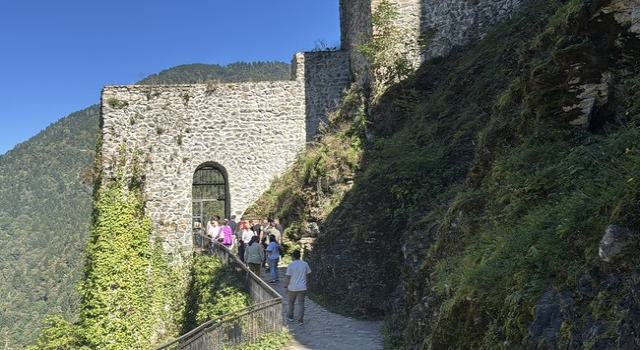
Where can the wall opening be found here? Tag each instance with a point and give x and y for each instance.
(209, 193)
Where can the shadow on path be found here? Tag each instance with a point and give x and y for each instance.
(323, 330)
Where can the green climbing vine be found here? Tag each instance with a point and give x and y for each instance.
(59, 334)
(127, 280)
(131, 292)
(213, 291)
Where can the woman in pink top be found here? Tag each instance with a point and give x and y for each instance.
(226, 234)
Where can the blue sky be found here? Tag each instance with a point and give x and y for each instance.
(55, 56)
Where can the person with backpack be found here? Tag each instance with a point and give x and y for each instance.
(244, 237)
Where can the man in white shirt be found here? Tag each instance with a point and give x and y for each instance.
(295, 284)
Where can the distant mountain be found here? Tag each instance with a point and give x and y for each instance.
(45, 205)
(234, 72)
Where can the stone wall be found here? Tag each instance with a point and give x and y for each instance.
(326, 77)
(445, 24)
(457, 23)
(251, 131)
(355, 25)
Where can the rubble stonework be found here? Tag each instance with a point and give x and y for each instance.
(254, 131)
(436, 26)
(251, 131)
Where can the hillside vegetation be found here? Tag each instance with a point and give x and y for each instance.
(132, 294)
(467, 205)
(44, 217)
(45, 207)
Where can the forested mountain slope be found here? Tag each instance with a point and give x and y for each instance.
(45, 206)
(467, 205)
(44, 217)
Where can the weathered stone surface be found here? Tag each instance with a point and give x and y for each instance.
(251, 131)
(629, 328)
(446, 24)
(591, 96)
(615, 239)
(626, 12)
(547, 320)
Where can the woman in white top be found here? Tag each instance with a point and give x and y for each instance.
(253, 255)
(213, 230)
(244, 237)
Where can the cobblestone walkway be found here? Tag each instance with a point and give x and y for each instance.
(323, 330)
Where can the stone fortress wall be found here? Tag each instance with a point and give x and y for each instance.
(251, 131)
(457, 23)
(326, 77)
(444, 24)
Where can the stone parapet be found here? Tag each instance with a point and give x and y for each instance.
(457, 23)
(326, 79)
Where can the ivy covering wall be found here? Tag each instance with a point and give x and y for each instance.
(133, 294)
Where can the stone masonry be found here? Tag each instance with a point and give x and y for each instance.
(436, 26)
(251, 131)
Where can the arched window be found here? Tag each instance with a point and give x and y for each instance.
(209, 194)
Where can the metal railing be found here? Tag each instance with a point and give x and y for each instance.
(240, 326)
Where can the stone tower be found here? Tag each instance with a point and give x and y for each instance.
(435, 26)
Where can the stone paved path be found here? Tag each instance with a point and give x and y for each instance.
(323, 330)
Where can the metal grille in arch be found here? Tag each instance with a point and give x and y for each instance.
(209, 194)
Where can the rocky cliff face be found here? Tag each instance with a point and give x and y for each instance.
(497, 207)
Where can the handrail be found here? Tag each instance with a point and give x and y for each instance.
(244, 273)
(185, 341)
(239, 326)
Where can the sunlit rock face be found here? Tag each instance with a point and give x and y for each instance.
(626, 12)
(615, 239)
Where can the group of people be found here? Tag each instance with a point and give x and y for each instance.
(257, 243)
(221, 231)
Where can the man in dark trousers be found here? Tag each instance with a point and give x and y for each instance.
(295, 284)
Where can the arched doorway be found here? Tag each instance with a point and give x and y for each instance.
(209, 194)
